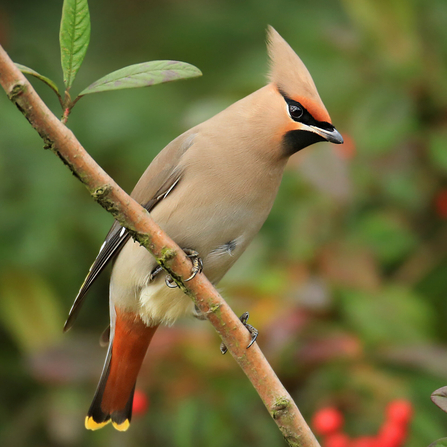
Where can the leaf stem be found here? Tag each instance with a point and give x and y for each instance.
(67, 105)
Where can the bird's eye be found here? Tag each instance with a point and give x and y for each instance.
(295, 112)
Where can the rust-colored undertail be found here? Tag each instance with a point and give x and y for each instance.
(114, 395)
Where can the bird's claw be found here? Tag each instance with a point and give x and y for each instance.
(253, 332)
(197, 267)
(197, 263)
(170, 282)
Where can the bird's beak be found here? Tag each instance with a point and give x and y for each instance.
(333, 136)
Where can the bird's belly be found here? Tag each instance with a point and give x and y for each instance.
(132, 291)
(160, 304)
(218, 231)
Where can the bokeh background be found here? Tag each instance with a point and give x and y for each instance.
(346, 281)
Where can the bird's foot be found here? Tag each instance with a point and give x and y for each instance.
(253, 332)
(197, 267)
(197, 313)
(197, 263)
(158, 269)
(170, 282)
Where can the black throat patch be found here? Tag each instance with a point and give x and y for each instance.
(295, 140)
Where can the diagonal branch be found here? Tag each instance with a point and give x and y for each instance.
(59, 139)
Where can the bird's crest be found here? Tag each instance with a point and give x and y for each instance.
(290, 75)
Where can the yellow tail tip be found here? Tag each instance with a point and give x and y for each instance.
(123, 426)
(90, 424)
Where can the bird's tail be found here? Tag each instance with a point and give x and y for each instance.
(114, 395)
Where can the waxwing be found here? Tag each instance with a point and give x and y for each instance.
(210, 190)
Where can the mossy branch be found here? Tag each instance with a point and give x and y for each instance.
(136, 219)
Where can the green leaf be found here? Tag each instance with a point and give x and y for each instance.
(439, 398)
(439, 443)
(388, 234)
(143, 75)
(74, 37)
(30, 311)
(437, 152)
(30, 71)
(391, 313)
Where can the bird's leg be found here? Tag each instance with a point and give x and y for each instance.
(155, 272)
(197, 313)
(253, 332)
(197, 267)
(169, 281)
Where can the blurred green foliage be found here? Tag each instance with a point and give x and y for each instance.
(346, 281)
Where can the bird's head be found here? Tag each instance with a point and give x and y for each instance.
(302, 118)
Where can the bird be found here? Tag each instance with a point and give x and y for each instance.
(211, 190)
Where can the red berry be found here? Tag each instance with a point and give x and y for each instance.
(140, 403)
(348, 149)
(399, 411)
(336, 440)
(392, 434)
(365, 441)
(327, 420)
(441, 203)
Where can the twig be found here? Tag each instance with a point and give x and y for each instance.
(129, 213)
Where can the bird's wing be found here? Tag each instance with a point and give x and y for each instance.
(159, 179)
